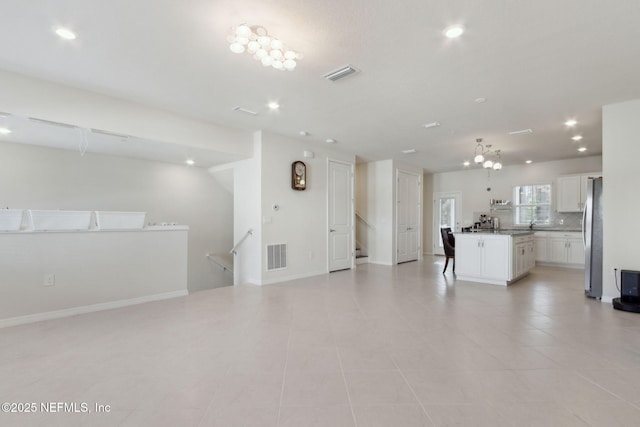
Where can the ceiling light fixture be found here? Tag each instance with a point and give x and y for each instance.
(5, 131)
(274, 105)
(582, 149)
(264, 48)
(518, 132)
(431, 125)
(454, 31)
(190, 162)
(571, 123)
(65, 33)
(303, 133)
(466, 163)
(577, 137)
(409, 151)
(480, 100)
(529, 162)
(330, 141)
(485, 156)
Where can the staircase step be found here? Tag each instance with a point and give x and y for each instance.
(362, 259)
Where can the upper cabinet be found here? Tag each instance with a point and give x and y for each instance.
(572, 192)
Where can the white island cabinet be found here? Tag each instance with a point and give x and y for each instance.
(495, 258)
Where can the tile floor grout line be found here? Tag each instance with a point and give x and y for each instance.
(284, 373)
(424, 410)
(346, 386)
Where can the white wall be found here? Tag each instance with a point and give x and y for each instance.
(301, 221)
(104, 268)
(30, 97)
(247, 188)
(620, 153)
(44, 178)
(427, 214)
(473, 183)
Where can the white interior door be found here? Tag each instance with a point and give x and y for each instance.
(446, 213)
(340, 216)
(408, 217)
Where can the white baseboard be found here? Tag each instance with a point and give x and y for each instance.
(49, 315)
(607, 299)
(291, 277)
(380, 263)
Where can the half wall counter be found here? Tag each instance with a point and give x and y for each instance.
(51, 274)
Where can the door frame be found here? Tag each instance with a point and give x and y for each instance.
(436, 216)
(419, 200)
(352, 236)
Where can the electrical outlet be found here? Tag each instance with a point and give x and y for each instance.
(49, 280)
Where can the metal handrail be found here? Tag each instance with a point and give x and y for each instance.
(234, 250)
(212, 257)
(363, 219)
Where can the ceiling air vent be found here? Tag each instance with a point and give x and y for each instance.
(340, 73)
(244, 110)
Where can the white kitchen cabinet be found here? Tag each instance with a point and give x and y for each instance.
(531, 255)
(495, 250)
(493, 257)
(566, 248)
(484, 255)
(541, 247)
(571, 191)
(575, 251)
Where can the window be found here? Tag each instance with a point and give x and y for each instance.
(532, 203)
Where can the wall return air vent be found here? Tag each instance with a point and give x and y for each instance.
(340, 73)
(276, 257)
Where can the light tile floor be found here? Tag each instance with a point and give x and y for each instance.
(377, 346)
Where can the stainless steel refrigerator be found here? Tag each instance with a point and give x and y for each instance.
(592, 238)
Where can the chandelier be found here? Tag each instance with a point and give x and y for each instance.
(485, 156)
(270, 51)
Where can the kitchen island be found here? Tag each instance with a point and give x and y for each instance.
(494, 257)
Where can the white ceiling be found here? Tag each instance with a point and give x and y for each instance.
(537, 63)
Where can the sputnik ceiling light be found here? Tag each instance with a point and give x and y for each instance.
(485, 156)
(269, 50)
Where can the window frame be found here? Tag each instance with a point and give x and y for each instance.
(532, 206)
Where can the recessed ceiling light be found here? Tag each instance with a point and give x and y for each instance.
(304, 133)
(529, 162)
(577, 137)
(480, 100)
(330, 141)
(190, 162)
(518, 132)
(582, 149)
(571, 123)
(5, 131)
(66, 34)
(409, 151)
(273, 105)
(454, 31)
(431, 125)
(467, 163)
